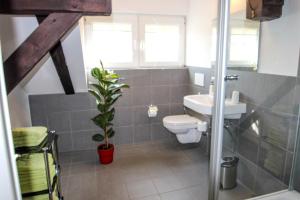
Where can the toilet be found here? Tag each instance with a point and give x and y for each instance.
(187, 129)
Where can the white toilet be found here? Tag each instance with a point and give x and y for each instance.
(187, 129)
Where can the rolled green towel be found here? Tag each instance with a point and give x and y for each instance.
(29, 136)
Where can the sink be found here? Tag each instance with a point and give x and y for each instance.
(204, 104)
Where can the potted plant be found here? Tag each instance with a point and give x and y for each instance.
(107, 90)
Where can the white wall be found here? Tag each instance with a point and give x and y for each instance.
(280, 42)
(12, 35)
(162, 7)
(199, 32)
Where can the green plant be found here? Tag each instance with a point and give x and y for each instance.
(107, 90)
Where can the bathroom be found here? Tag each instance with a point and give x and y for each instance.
(166, 146)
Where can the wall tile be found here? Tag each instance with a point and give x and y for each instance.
(288, 168)
(65, 142)
(160, 77)
(141, 78)
(37, 110)
(124, 135)
(176, 109)
(141, 115)
(125, 99)
(142, 133)
(293, 131)
(178, 92)
(265, 183)
(247, 172)
(81, 120)
(124, 116)
(272, 159)
(276, 128)
(83, 140)
(159, 132)
(160, 94)
(59, 121)
(248, 144)
(141, 96)
(278, 93)
(180, 76)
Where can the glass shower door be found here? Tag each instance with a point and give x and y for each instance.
(263, 138)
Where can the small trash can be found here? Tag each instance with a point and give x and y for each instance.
(229, 172)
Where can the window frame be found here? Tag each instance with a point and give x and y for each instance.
(138, 22)
(116, 18)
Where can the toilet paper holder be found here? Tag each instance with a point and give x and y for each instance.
(152, 110)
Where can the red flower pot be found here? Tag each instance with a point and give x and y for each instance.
(106, 156)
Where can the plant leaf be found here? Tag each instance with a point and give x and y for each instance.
(98, 137)
(110, 133)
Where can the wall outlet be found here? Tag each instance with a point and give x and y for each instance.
(199, 79)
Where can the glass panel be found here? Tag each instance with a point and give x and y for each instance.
(263, 137)
(162, 43)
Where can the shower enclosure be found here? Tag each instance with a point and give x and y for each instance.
(262, 62)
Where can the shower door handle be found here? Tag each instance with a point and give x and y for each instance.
(232, 78)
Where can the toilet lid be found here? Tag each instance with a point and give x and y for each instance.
(181, 120)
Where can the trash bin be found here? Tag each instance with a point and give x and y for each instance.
(229, 172)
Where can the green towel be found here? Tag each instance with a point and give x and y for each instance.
(29, 137)
(42, 197)
(32, 174)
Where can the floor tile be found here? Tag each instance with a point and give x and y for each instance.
(140, 189)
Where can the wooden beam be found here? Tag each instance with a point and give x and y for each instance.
(45, 7)
(58, 57)
(36, 46)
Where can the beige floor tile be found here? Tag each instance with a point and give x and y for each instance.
(167, 184)
(140, 189)
(152, 197)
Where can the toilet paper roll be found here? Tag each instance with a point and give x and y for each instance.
(152, 111)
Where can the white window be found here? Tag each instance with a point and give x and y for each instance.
(134, 41)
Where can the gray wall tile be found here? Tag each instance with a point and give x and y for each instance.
(142, 133)
(124, 135)
(178, 92)
(180, 76)
(248, 144)
(160, 77)
(65, 142)
(159, 132)
(141, 115)
(83, 140)
(141, 78)
(272, 159)
(81, 120)
(60, 121)
(160, 94)
(124, 116)
(266, 183)
(141, 96)
(247, 172)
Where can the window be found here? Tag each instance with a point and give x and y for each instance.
(134, 41)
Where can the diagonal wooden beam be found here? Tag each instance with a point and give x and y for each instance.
(58, 57)
(36, 46)
(45, 7)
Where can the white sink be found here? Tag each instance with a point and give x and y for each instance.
(204, 104)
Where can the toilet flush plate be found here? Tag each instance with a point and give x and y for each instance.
(204, 104)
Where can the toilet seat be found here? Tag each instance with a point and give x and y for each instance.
(181, 122)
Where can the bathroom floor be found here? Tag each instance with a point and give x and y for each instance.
(151, 171)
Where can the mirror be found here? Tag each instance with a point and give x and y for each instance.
(243, 38)
(269, 47)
